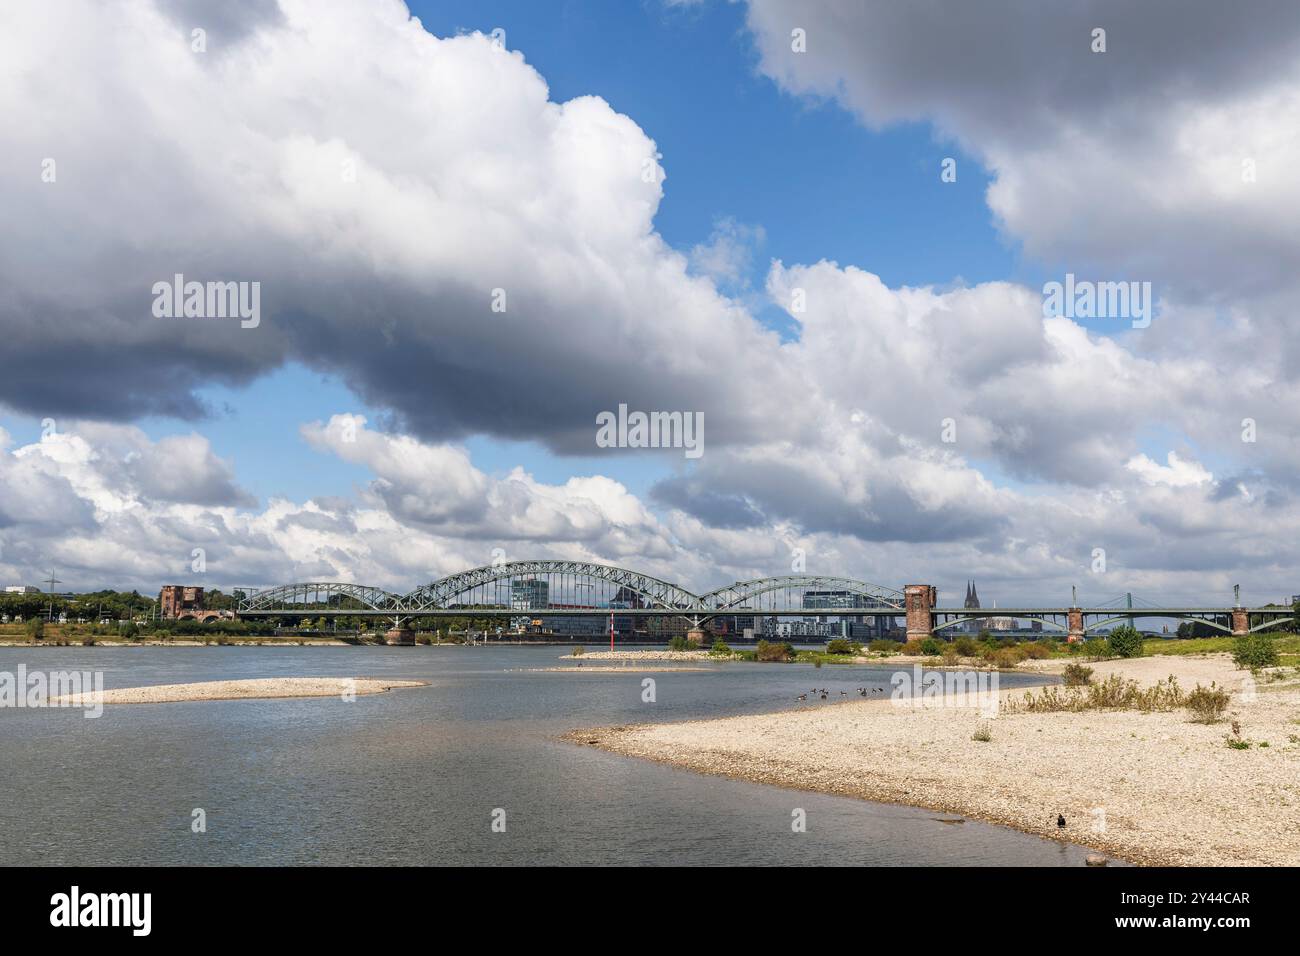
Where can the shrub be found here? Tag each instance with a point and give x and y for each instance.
(1125, 641)
(578, 651)
(985, 636)
(1034, 650)
(912, 648)
(678, 642)
(36, 629)
(1111, 694)
(1207, 704)
(932, 646)
(1095, 649)
(983, 733)
(965, 645)
(839, 645)
(1255, 651)
(721, 648)
(1007, 657)
(774, 652)
(1076, 675)
(885, 646)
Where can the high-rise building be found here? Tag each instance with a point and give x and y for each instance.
(529, 594)
(825, 600)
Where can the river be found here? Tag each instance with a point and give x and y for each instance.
(414, 776)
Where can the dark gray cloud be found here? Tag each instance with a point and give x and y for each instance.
(1019, 70)
(714, 508)
(227, 22)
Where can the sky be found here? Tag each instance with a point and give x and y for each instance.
(475, 227)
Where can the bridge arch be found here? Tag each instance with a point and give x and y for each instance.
(737, 594)
(300, 598)
(441, 594)
(1043, 619)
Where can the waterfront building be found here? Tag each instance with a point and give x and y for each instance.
(529, 594)
(177, 599)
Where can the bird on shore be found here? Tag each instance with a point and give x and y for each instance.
(823, 696)
(844, 693)
(1060, 821)
(802, 697)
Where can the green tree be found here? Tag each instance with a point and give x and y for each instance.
(1125, 641)
(1254, 651)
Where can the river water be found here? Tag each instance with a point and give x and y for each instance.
(414, 776)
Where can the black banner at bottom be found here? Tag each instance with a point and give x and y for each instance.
(336, 905)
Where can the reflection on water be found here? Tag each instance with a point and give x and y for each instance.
(413, 776)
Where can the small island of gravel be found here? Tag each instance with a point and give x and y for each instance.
(260, 689)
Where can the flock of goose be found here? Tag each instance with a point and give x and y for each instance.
(825, 694)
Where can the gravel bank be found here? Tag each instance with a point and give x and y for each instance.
(1150, 788)
(652, 655)
(240, 690)
(623, 669)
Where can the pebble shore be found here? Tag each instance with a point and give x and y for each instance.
(1150, 788)
(261, 689)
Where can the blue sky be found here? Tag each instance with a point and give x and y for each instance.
(825, 436)
(734, 146)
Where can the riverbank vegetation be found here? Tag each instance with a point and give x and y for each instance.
(1205, 704)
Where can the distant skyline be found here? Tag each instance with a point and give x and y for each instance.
(825, 229)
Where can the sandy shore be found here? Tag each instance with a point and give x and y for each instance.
(1149, 788)
(641, 655)
(623, 669)
(234, 642)
(262, 689)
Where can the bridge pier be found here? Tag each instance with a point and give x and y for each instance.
(1074, 625)
(1240, 622)
(919, 601)
(401, 636)
(698, 637)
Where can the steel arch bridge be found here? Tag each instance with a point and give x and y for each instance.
(569, 587)
(326, 596)
(740, 594)
(440, 594)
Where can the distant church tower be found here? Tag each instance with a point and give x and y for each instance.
(972, 602)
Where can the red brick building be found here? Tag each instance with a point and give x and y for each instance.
(177, 599)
